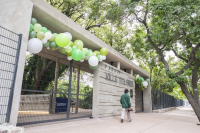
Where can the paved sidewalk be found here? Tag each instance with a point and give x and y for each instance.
(177, 121)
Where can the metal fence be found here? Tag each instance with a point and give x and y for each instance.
(162, 100)
(40, 102)
(10, 43)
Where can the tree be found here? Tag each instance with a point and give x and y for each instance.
(172, 26)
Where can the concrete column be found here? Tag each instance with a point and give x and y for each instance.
(118, 65)
(95, 108)
(77, 91)
(131, 72)
(55, 85)
(147, 101)
(15, 14)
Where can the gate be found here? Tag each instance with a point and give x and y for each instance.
(138, 99)
(46, 94)
(10, 44)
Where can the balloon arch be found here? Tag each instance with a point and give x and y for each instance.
(42, 37)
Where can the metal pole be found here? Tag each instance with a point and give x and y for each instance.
(69, 90)
(55, 86)
(77, 92)
(13, 80)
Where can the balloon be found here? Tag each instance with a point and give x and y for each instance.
(69, 57)
(83, 57)
(68, 50)
(34, 45)
(62, 50)
(69, 54)
(48, 35)
(137, 76)
(103, 57)
(69, 35)
(62, 40)
(77, 55)
(96, 52)
(104, 51)
(142, 79)
(55, 34)
(74, 48)
(98, 56)
(145, 84)
(93, 61)
(148, 80)
(93, 67)
(58, 47)
(44, 29)
(52, 48)
(87, 57)
(71, 44)
(32, 34)
(139, 80)
(78, 44)
(33, 21)
(88, 52)
(52, 38)
(31, 27)
(49, 31)
(84, 50)
(44, 41)
(81, 60)
(53, 44)
(47, 44)
(37, 27)
(40, 35)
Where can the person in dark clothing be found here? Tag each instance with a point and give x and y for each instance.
(126, 104)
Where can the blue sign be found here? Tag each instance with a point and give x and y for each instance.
(61, 104)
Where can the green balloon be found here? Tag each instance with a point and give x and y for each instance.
(139, 80)
(87, 57)
(37, 27)
(98, 56)
(62, 40)
(78, 44)
(52, 48)
(96, 52)
(68, 50)
(84, 50)
(148, 80)
(88, 52)
(77, 55)
(93, 67)
(33, 21)
(74, 48)
(62, 50)
(53, 45)
(31, 27)
(49, 31)
(58, 47)
(40, 35)
(71, 44)
(32, 34)
(104, 51)
(69, 54)
(44, 29)
(46, 44)
(55, 34)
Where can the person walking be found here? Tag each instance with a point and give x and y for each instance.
(126, 106)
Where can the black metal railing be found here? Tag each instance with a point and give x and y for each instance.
(10, 44)
(162, 100)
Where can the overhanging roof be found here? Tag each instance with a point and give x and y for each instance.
(57, 22)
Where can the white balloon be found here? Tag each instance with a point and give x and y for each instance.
(44, 41)
(34, 45)
(69, 57)
(81, 60)
(145, 84)
(47, 35)
(48, 48)
(137, 76)
(69, 35)
(93, 61)
(103, 57)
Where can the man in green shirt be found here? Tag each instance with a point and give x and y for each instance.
(125, 102)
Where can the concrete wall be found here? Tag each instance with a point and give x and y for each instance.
(107, 93)
(15, 15)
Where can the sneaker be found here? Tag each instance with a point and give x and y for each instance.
(121, 120)
(130, 120)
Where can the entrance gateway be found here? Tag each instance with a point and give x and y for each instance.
(109, 81)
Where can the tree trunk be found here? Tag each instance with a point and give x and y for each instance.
(195, 105)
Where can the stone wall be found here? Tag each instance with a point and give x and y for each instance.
(109, 85)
